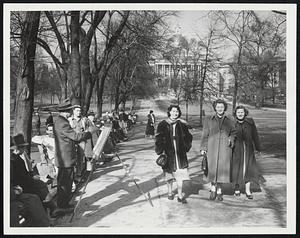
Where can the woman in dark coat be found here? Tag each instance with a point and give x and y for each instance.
(174, 139)
(150, 125)
(244, 168)
(217, 141)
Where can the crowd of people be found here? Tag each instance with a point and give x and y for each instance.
(228, 144)
(41, 191)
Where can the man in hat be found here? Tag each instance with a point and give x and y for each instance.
(23, 176)
(65, 154)
(79, 124)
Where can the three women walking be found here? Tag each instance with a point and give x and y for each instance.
(229, 144)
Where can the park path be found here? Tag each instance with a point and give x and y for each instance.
(113, 201)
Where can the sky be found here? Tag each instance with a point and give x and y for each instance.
(196, 22)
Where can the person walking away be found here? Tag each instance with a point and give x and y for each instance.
(244, 169)
(218, 141)
(49, 120)
(38, 123)
(150, 125)
(65, 153)
(174, 139)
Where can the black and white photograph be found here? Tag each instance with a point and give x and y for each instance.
(149, 118)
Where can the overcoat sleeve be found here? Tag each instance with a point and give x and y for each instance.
(233, 132)
(205, 134)
(160, 140)
(187, 136)
(73, 135)
(255, 136)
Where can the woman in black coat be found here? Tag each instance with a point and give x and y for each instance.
(150, 124)
(174, 139)
(244, 169)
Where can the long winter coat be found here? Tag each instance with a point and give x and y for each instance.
(164, 143)
(243, 161)
(218, 142)
(150, 125)
(65, 138)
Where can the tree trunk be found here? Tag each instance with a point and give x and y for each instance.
(186, 110)
(25, 82)
(89, 93)
(235, 92)
(75, 79)
(201, 104)
(100, 90)
(259, 93)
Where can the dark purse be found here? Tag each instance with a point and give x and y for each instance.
(204, 165)
(162, 160)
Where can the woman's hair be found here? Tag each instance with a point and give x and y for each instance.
(219, 101)
(170, 108)
(241, 107)
(151, 111)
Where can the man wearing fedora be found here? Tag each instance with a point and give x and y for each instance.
(23, 176)
(65, 154)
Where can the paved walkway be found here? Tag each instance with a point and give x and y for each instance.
(113, 201)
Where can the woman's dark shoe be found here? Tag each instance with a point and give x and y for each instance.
(212, 195)
(220, 197)
(249, 196)
(182, 200)
(171, 196)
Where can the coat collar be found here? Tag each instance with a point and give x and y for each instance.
(248, 120)
(215, 116)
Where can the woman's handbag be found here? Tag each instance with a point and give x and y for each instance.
(204, 165)
(162, 160)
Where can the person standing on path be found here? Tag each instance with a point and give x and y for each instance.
(244, 169)
(49, 120)
(174, 139)
(38, 123)
(218, 141)
(65, 154)
(79, 124)
(150, 124)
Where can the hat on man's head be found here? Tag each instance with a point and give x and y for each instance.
(76, 106)
(91, 113)
(17, 141)
(65, 105)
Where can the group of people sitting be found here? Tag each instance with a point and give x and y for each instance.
(66, 156)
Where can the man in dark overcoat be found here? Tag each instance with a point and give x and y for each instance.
(65, 154)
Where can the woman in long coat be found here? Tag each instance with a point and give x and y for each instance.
(244, 169)
(150, 124)
(217, 141)
(174, 139)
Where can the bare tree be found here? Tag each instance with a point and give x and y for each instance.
(234, 28)
(25, 79)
